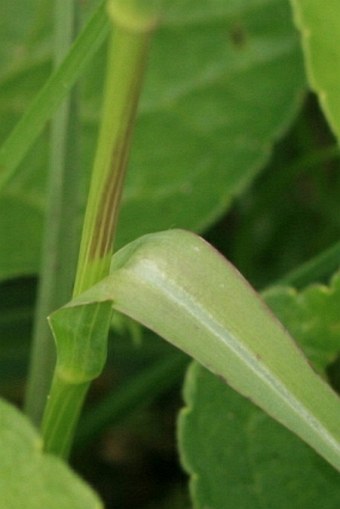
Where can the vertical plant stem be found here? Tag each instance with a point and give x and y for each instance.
(61, 237)
(127, 54)
(63, 415)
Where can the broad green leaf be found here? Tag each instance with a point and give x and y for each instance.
(24, 67)
(21, 220)
(224, 82)
(319, 24)
(181, 288)
(20, 226)
(239, 457)
(22, 34)
(208, 117)
(312, 317)
(28, 478)
(243, 458)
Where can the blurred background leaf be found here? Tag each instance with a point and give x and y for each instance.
(31, 479)
(225, 82)
(203, 133)
(312, 317)
(239, 457)
(319, 26)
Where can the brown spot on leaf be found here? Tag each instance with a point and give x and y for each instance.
(238, 35)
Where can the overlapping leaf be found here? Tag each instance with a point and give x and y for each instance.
(235, 454)
(178, 286)
(239, 457)
(30, 479)
(312, 317)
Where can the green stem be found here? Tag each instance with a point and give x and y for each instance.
(127, 54)
(59, 252)
(64, 408)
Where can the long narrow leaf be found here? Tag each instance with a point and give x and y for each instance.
(180, 287)
(52, 93)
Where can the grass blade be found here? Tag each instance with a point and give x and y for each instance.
(181, 288)
(53, 92)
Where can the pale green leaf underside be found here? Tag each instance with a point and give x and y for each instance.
(28, 478)
(244, 459)
(319, 24)
(181, 288)
(225, 79)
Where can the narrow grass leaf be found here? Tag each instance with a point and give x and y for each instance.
(54, 91)
(244, 459)
(177, 285)
(237, 456)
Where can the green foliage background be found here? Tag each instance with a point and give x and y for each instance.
(228, 144)
(203, 132)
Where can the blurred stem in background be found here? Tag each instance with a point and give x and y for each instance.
(81, 350)
(61, 234)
